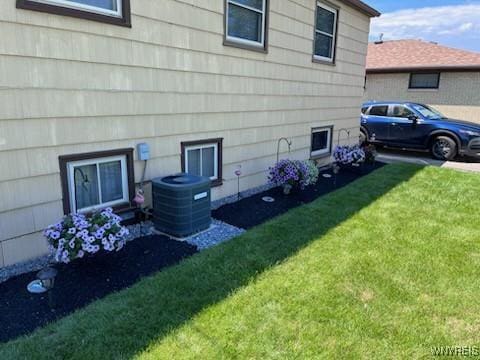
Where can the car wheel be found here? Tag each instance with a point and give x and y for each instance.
(362, 138)
(444, 148)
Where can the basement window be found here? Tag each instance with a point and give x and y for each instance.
(246, 24)
(424, 81)
(97, 180)
(321, 142)
(110, 11)
(203, 158)
(325, 33)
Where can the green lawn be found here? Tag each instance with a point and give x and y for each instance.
(385, 268)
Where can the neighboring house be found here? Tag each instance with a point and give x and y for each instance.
(209, 85)
(419, 71)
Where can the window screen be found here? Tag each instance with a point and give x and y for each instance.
(425, 81)
(325, 28)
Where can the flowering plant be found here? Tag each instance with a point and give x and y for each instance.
(77, 235)
(312, 172)
(348, 154)
(289, 172)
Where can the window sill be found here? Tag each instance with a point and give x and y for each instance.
(260, 49)
(320, 156)
(422, 90)
(324, 62)
(124, 21)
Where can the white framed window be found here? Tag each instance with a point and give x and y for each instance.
(203, 158)
(104, 7)
(245, 22)
(325, 33)
(321, 143)
(97, 183)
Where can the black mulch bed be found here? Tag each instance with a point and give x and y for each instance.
(83, 281)
(86, 280)
(253, 211)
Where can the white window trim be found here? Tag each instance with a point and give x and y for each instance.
(200, 147)
(93, 9)
(333, 35)
(71, 182)
(327, 150)
(259, 44)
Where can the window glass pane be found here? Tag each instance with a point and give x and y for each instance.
(401, 111)
(208, 161)
(86, 186)
(323, 45)
(256, 4)
(424, 81)
(111, 181)
(320, 140)
(103, 4)
(325, 20)
(379, 110)
(193, 166)
(245, 24)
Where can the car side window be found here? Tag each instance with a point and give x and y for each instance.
(401, 111)
(379, 110)
(364, 109)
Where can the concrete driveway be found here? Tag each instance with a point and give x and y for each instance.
(391, 156)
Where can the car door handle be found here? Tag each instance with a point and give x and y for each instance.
(394, 124)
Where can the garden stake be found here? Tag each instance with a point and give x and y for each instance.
(238, 172)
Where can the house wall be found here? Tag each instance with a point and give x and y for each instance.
(457, 97)
(69, 86)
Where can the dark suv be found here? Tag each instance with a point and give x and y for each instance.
(416, 126)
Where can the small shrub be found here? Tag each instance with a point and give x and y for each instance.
(289, 172)
(312, 172)
(348, 154)
(77, 235)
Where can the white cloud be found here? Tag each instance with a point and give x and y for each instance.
(429, 23)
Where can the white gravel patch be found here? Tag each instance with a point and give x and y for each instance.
(218, 233)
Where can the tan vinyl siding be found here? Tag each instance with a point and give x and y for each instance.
(69, 86)
(457, 97)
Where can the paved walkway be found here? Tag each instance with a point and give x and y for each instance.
(392, 156)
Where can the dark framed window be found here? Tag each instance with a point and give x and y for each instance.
(203, 158)
(97, 180)
(424, 81)
(246, 24)
(378, 110)
(321, 142)
(116, 12)
(325, 37)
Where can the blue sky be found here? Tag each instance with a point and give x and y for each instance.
(453, 23)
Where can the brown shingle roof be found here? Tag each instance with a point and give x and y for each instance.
(407, 55)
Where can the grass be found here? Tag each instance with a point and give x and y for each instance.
(385, 268)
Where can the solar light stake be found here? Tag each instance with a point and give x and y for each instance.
(45, 282)
(336, 170)
(238, 173)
